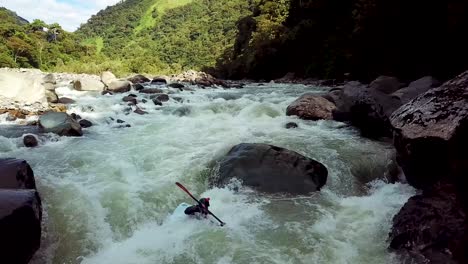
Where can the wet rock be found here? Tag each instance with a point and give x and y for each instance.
(49, 78)
(16, 174)
(75, 116)
(120, 121)
(182, 111)
(432, 227)
(176, 85)
(151, 91)
(30, 141)
(119, 86)
(20, 225)
(137, 79)
(159, 81)
(85, 123)
(51, 96)
(138, 87)
(416, 88)
(144, 101)
(291, 125)
(157, 102)
(271, 169)
(386, 84)
(108, 77)
(178, 99)
(66, 100)
(311, 107)
(88, 84)
(430, 135)
(107, 92)
(130, 99)
(59, 123)
(160, 97)
(140, 112)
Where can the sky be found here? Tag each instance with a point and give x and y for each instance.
(68, 13)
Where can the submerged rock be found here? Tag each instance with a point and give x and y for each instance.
(176, 85)
(151, 91)
(130, 99)
(30, 141)
(291, 125)
(59, 123)
(311, 107)
(160, 97)
(20, 225)
(85, 123)
(271, 169)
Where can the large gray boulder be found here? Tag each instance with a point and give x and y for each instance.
(385, 84)
(311, 107)
(22, 87)
(271, 169)
(108, 77)
(59, 123)
(119, 86)
(20, 225)
(430, 135)
(88, 84)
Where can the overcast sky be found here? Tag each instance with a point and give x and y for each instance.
(68, 13)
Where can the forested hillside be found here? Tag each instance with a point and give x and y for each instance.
(36, 44)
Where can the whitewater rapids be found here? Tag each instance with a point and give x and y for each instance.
(108, 195)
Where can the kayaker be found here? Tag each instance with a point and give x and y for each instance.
(201, 208)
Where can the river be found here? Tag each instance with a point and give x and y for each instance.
(108, 195)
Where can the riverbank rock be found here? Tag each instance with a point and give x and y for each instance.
(159, 80)
(60, 123)
(138, 79)
(311, 107)
(416, 88)
(88, 84)
(385, 84)
(119, 86)
(20, 225)
(151, 91)
(271, 169)
(432, 227)
(108, 77)
(51, 96)
(431, 135)
(198, 78)
(16, 174)
(22, 87)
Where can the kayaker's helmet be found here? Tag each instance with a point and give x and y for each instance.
(205, 201)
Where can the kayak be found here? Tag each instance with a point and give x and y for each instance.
(180, 210)
(179, 214)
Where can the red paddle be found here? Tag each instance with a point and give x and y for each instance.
(185, 190)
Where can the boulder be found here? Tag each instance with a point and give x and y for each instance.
(130, 99)
(59, 123)
(88, 84)
(108, 77)
(16, 174)
(430, 135)
(140, 112)
(385, 84)
(66, 100)
(49, 86)
(51, 96)
(106, 92)
(138, 87)
(157, 102)
(49, 78)
(85, 123)
(20, 225)
(291, 125)
(138, 79)
(22, 87)
(416, 88)
(176, 85)
(432, 227)
(119, 86)
(30, 141)
(311, 107)
(159, 81)
(160, 97)
(151, 91)
(271, 169)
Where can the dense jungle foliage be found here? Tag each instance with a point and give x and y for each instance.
(258, 39)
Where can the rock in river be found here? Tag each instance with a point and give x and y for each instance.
(271, 169)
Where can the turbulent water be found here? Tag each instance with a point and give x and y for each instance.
(108, 195)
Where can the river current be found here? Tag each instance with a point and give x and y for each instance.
(108, 195)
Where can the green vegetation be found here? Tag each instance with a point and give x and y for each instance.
(258, 39)
(36, 44)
